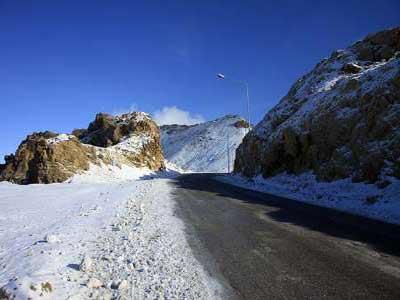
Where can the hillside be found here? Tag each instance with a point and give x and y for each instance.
(341, 120)
(203, 147)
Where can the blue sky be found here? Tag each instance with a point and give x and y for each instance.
(63, 61)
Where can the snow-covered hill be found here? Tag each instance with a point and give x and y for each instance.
(203, 147)
(340, 120)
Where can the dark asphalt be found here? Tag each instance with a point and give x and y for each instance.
(266, 247)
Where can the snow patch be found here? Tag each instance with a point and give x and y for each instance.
(109, 173)
(59, 138)
(134, 143)
(344, 195)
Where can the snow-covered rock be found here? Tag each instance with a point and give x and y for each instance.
(86, 264)
(51, 238)
(203, 147)
(128, 140)
(341, 120)
(94, 283)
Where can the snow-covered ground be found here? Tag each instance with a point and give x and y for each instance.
(102, 235)
(357, 198)
(203, 147)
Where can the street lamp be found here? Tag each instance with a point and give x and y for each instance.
(243, 83)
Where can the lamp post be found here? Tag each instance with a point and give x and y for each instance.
(229, 154)
(242, 83)
(246, 86)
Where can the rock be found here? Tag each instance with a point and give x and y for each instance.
(94, 283)
(46, 157)
(113, 285)
(379, 46)
(349, 129)
(371, 200)
(241, 124)
(123, 285)
(46, 287)
(4, 295)
(79, 133)
(351, 68)
(383, 184)
(42, 159)
(51, 238)
(107, 130)
(86, 265)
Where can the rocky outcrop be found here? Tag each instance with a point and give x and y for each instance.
(340, 120)
(135, 135)
(46, 158)
(241, 124)
(131, 139)
(107, 130)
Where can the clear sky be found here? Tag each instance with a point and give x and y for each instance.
(63, 61)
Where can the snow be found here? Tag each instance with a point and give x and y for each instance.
(110, 173)
(343, 195)
(325, 86)
(59, 138)
(137, 116)
(133, 143)
(115, 218)
(203, 147)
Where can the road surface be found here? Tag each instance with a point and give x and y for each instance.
(266, 247)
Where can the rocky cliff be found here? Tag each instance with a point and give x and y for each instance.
(132, 139)
(203, 147)
(340, 120)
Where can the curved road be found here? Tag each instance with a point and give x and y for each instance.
(266, 247)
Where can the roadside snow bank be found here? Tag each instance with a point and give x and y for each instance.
(144, 253)
(97, 237)
(357, 198)
(110, 173)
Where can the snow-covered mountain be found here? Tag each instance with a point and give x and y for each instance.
(341, 120)
(203, 147)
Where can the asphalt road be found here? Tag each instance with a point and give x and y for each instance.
(265, 247)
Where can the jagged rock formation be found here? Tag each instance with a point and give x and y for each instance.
(203, 147)
(340, 120)
(131, 139)
(135, 135)
(47, 157)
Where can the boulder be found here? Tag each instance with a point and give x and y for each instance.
(241, 124)
(351, 68)
(41, 158)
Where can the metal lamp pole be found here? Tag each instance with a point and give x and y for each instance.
(246, 86)
(243, 83)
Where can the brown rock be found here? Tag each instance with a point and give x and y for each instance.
(48, 158)
(241, 124)
(79, 133)
(378, 46)
(38, 161)
(351, 68)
